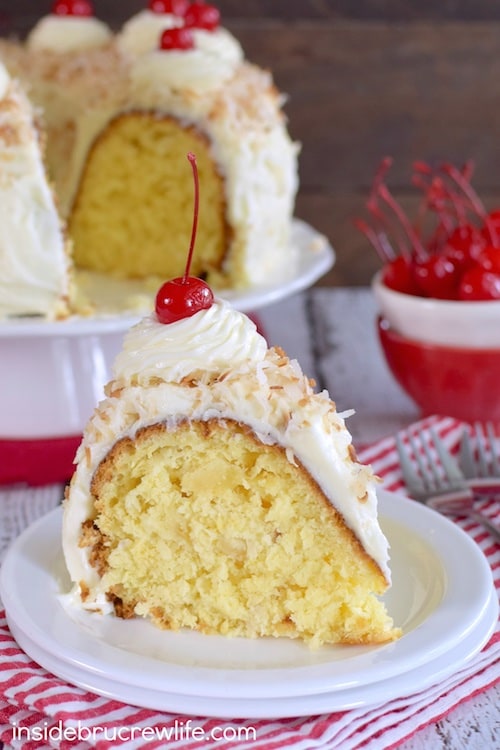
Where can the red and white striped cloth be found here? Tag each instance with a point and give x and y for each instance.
(31, 697)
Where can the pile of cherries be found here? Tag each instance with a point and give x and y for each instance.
(194, 15)
(451, 252)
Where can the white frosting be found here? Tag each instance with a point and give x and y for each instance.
(260, 389)
(191, 70)
(33, 260)
(219, 43)
(63, 34)
(141, 34)
(206, 341)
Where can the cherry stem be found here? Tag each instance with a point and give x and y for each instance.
(461, 179)
(446, 192)
(379, 240)
(192, 160)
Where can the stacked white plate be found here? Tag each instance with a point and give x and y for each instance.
(442, 596)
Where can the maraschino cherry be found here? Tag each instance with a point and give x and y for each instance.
(81, 8)
(175, 7)
(184, 296)
(179, 38)
(201, 15)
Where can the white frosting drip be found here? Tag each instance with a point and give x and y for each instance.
(266, 392)
(68, 34)
(208, 341)
(33, 260)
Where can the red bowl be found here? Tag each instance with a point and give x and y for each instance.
(451, 381)
(38, 462)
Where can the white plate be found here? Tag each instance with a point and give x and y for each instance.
(120, 304)
(441, 596)
(228, 707)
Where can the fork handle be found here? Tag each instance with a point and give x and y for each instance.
(484, 485)
(463, 498)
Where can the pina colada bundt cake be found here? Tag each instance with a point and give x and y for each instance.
(214, 490)
(121, 110)
(34, 256)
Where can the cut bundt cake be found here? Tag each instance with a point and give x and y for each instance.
(120, 112)
(34, 254)
(215, 490)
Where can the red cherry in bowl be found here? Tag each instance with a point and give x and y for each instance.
(398, 275)
(184, 296)
(81, 8)
(202, 16)
(174, 7)
(489, 258)
(179, 38)
(463, 246)
(478, 284)
(436, 276)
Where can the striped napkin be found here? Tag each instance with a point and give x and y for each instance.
(38, 710)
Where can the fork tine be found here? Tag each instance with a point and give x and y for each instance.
(450, 466)
(467, 460)
(435, 479)
(482, 457)
(495, 452)
(425, 477)
(426, 480)
(410, 476)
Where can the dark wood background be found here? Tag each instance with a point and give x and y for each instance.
(365, 78)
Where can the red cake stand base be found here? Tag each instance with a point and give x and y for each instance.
(38, 462)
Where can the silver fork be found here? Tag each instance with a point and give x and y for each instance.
(443, 490)
(480, 459)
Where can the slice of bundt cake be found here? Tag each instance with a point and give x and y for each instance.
(214, 490)
(34, 255)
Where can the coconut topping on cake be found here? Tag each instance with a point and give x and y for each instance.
(34, 262)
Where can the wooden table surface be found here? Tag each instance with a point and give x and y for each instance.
(332, 333)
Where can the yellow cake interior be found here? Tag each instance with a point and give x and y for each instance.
(133, 211)
(203, 526)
